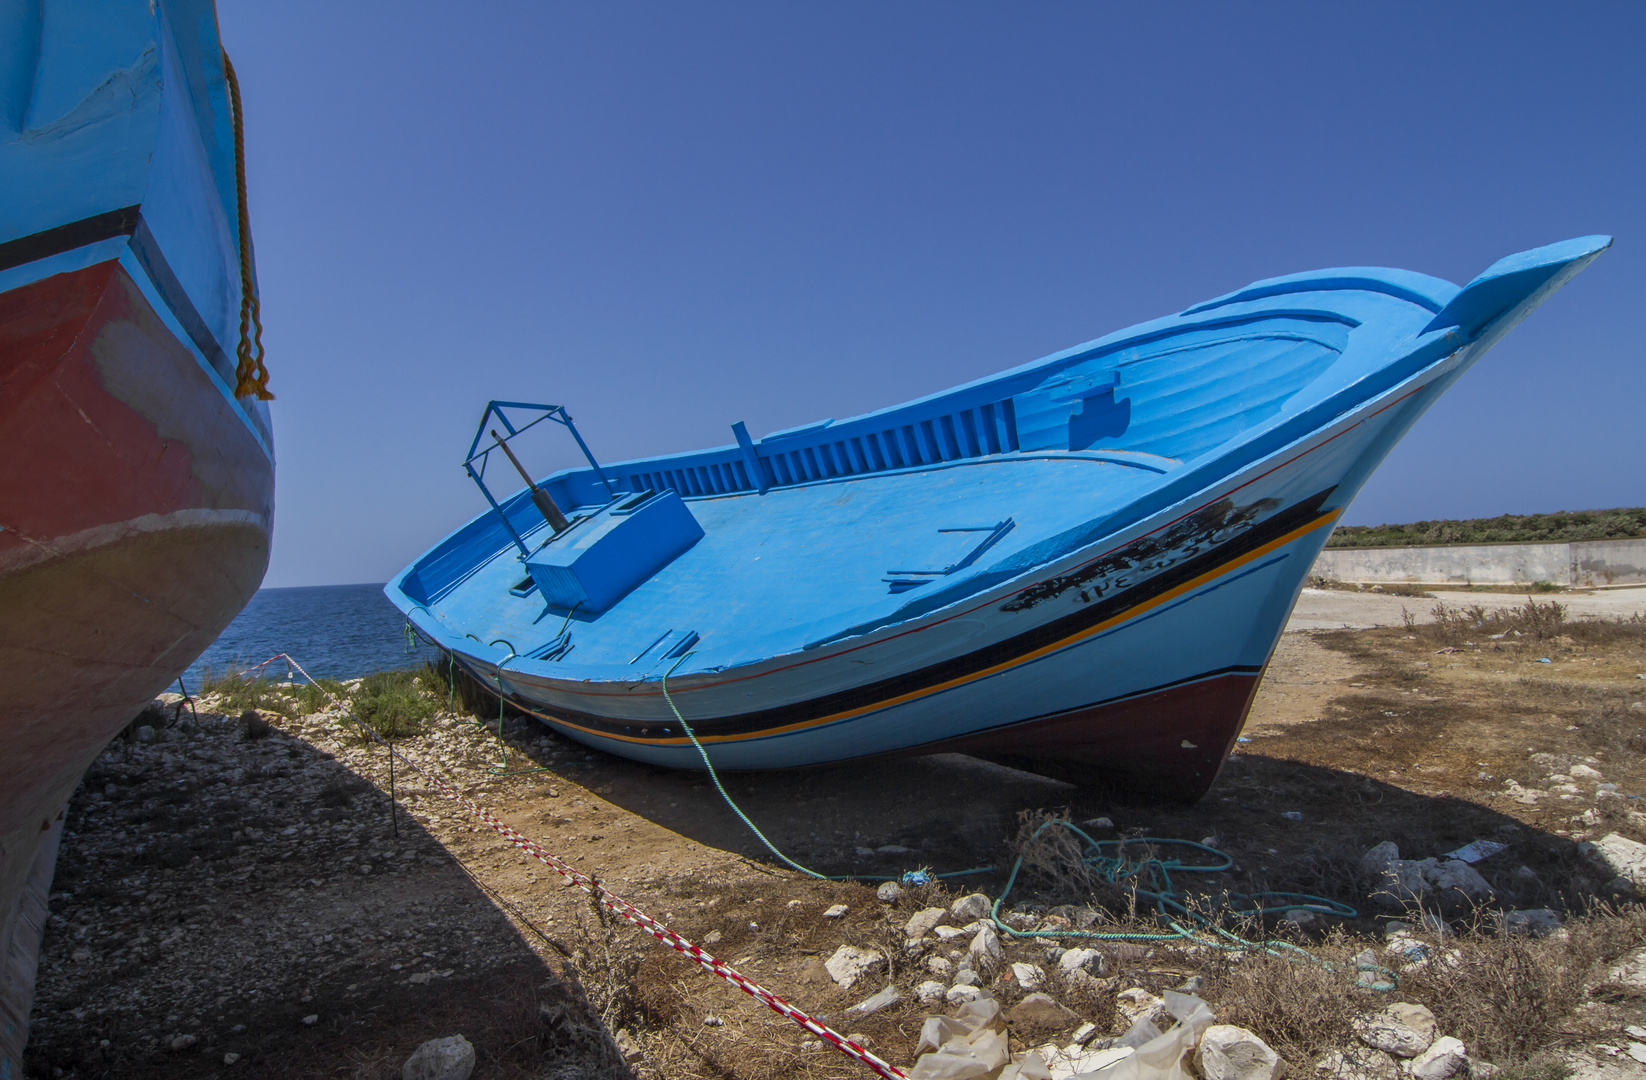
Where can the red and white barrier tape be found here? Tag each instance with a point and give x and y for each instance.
(612, 902)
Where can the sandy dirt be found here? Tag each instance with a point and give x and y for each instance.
(215, 891)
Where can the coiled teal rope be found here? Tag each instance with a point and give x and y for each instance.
(1151, 878)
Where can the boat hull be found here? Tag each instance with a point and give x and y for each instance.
(136, 507)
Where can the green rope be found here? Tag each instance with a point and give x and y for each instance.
(707, 764)
(451, 681)
(915, 876)
(503, 769)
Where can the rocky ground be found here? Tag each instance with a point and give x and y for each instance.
(232, 903)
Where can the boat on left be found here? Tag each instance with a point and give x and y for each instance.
(136, 462)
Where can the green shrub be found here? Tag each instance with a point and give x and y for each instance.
(311, 697)
(238, 692)
(453, 687)
(1562, 527)
(392, 703)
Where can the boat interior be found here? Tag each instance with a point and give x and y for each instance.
(819, 532)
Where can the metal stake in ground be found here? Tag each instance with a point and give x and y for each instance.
(394, 824)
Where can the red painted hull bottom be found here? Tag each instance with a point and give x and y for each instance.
(1169, 744)
(135, 512)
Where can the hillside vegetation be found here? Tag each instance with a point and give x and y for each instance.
(1510, 528)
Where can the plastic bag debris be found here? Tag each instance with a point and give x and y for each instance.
(1155, 1055)
(888, 996)
(971, 1045)
(1480, 849)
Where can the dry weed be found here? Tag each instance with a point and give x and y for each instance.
(1507, 996)
(1301, 1007)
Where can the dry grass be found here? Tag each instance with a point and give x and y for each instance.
(1533, 621)
(1303, 1009)
(1509, 998)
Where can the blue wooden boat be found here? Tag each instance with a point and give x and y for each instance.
(137, 485)
(1080, 566)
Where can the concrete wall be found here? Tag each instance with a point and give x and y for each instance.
(1587, 563)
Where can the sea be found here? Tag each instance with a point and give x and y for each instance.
(339, 631)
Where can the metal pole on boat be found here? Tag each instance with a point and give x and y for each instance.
(545, 504)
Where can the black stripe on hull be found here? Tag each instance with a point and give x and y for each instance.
(1190, 533)
(76, 234)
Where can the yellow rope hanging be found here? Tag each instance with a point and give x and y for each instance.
(250, 375)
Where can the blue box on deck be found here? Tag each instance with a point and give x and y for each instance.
(603, 557)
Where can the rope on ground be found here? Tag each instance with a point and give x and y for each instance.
(614, 903)
(1150, 877)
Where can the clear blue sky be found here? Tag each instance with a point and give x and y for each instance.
(673, 216)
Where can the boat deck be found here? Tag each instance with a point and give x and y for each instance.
(775, 573)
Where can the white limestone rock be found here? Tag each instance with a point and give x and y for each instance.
(849, 963)
(451, 1058)
(1136, 1003)
(1377, 860)
(1538, 922)
(1629, 971)
(1028, 976)
(1359, 1063)
(1444, 1059)
(985, 949)
(1622, 857)
(1403, 1029)
(971, 908)
(1227, 1052)
(921, 922)
(1091, 961)
(1401, 883)
(1457, 884)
